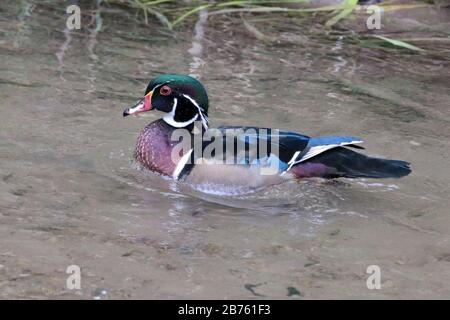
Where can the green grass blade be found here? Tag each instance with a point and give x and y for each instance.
(348, 8)
(256, 2)
(150, 3)
(147, 8)
(262, 9)
(161, 17)
(190, 12)
(400, 43)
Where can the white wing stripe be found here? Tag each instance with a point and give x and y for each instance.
(292, 161)
(181, 164)
(314, 151)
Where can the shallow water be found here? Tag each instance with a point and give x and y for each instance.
(70, 194)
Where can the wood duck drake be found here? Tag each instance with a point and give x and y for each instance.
(185, 102)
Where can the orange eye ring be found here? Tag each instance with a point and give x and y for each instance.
(165, 90)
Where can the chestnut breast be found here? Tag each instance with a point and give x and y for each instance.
(154, 147)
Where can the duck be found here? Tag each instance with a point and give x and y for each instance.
(181, 145)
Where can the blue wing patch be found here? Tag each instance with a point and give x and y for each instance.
(324, 141)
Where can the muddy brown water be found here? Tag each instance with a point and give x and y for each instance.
(69, 193)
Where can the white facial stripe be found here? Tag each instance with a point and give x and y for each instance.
(193, 102)
(157, 86)
(170, 117)
(200, 111)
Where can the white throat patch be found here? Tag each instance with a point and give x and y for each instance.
(200, 111)
(170, 117)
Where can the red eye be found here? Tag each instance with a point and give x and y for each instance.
(165, 90)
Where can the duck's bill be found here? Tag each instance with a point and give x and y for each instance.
(145, 104)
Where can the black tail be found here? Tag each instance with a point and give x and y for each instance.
(350, 164)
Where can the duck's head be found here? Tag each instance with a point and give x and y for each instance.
(182, 97)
